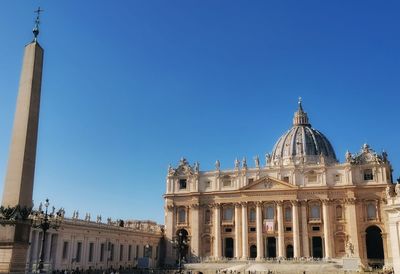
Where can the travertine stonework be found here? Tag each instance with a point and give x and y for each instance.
(92, 244)
(301, 203)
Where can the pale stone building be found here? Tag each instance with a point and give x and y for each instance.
(393, 211)
(301, 203)
(88, 244)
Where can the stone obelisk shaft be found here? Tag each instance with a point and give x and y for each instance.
(18, 184)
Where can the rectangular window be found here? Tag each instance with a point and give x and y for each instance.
(101, 252)
(78, 252)
(252, 214)
(286, 179)
(228, 214)
(315, 228)
(250, 180)
(65, 250)
(288, 214)
(121, 252)
(315, 212)
(228, 229)
(312, 178)
(91, 247)
(182, 183)
(368, 175)
(252, 229)
(156, 253)
(129, 252)
(288, 229)
(269, 213)
(137, 252)
(227, 183)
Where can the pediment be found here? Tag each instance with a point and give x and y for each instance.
(268, 183)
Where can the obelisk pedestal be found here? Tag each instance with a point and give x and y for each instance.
(18, 185)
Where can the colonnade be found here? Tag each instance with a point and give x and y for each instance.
(299, 240)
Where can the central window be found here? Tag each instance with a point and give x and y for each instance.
(228, 214)
(368, 175)
(182, 183)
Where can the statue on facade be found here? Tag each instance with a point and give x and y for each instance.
(87, 217)
(98, 219)
(217, 165)
(257, 161)
(349, 248)
(267, 159)
(237, 163)
(196, 167)
(397, 189)
(348, 156)
(109, 221)
(384, 156)
(389, 191)
(244, 163)
(40, 209)
(171, 171)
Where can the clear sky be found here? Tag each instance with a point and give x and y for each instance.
(131, 86)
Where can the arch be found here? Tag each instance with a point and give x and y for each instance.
(253, 251)
(289, 251)
(184, 236)
(374, 243)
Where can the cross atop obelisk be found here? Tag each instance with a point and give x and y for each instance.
(37, 23)
(18, 184)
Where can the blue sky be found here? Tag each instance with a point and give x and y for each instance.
(131, 86)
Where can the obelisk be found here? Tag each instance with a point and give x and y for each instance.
(18, 185)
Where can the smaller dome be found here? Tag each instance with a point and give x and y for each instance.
(302, 144)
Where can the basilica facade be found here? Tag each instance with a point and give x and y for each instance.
(301, 203)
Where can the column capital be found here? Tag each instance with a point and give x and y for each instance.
(237, 205)
(215, 205)
(259, 203)
(279, 203)
(295, 202)
(350, 201)
(303, 202)
(194, 206)
(326, 201)
(243, 204)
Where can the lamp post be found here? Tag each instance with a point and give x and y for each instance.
(44, 221)
(180, 243)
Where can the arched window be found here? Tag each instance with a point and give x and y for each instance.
(315, 213)
(339, 212)
(288, 214)
(252, 215)
(371, 211)
(228, 214)
(269, 213)
(181, 215)
(207, 216)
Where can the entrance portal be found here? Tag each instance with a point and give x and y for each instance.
(289, 251)
(182, 235)
(253, 251)
(271, 247)
(228, 247)
(317, 247)
(374, 243)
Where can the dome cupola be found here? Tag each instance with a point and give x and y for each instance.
(302, 144)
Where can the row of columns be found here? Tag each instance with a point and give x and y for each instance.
(241, 229)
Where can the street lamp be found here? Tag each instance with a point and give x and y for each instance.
(180, 242)
(44, 221)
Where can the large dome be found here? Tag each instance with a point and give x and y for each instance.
(302, 144)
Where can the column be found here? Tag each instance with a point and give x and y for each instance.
(195, 229)
(244, 232)
(217, 231)
(327, 228)
(352, 225)
(296, 236)
(304, 228)
(395, 244)
(47, 247)
(237, 231)
(260, 246)
(281, 236)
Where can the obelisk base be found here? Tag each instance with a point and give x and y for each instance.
(14, 244)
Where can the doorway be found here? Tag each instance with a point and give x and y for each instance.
(228, 248)
(289, 251)
(374, 243)
(317, 247)
(253, 251)
(271, 247)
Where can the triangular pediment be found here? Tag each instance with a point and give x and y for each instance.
(268, 183)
